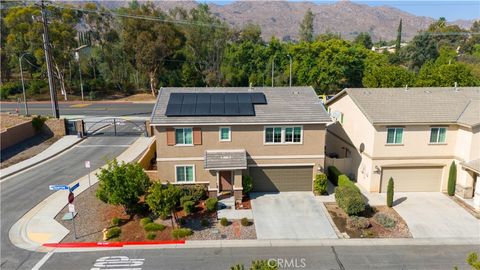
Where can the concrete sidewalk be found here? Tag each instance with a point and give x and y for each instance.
(56, 148)
(38, 226)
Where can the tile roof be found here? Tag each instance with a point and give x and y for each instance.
(417, 105)
(225, 159)
(284, 105)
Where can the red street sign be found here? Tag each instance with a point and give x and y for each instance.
(71, 197)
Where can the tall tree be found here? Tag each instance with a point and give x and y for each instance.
(364, 39)
(399, 37)
(306, 27)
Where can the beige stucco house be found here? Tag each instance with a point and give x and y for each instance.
(214, 136)
(410, 134)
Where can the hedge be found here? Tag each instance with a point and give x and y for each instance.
(350, 200)
(320, 184)
(113, 232)
(153, 227)
(333, 174)
(344, 181)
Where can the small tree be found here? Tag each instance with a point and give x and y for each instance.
(452, 179)
(122, 184)
(247, 184)
(162, 199)
(390, 190)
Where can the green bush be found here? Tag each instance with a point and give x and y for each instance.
(153, 227)
(224, 221)
(245, 222)
(181, 233)
(333, 174)
(37, 122)
(343, 181)
(145, 221)
(185, 198)
(359, 223)
(10, 88)
(37, 87)
(247, 184)
(204, 222)
(188, 207)
(151, 236)
(113, 232)
(4, 93)
(350, 200)
(390, 190)
(452, 179)
(211, 204)
(320, 184)
(385, 220)
(115, 221)
(197, 192)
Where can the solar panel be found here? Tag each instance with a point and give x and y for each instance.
(217, 105)
(175, 98)
(188, 105)
(245, 109)
(258, 98)
(244, 98)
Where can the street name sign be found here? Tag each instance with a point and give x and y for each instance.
(58, 187)
(74, 187)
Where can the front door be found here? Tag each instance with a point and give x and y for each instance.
(225, 180)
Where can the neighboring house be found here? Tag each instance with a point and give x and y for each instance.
(214, 136)
(410, 134)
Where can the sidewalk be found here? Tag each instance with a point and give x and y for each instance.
(38, 226)
(58, 147)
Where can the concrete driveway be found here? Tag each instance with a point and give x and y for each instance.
(290, 215)
(434, 215)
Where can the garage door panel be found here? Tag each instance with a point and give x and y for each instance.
(275, 179)
(413, 179)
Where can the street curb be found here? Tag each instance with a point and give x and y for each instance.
(111, 244)
(3, 176)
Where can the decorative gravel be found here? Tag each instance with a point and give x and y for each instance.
(215, 231)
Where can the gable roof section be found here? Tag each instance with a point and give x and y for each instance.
(285, 105)
(435, 105)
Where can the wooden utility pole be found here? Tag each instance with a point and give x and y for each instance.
(48, 60)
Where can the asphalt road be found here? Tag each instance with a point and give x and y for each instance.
(86, 108)
(318, 258)
(23, 191)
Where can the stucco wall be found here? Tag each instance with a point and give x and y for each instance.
(16, 134)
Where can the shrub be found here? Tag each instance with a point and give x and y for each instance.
(151, 236)
(385, 220)
(350, 200)
(10, 88)
(197, 192)
(247, 184)
(115, 221)
(211, 204)
(452, 179)
(333, 174)
(37, 122)
(204, 222)
(224, 221)
(390, 190)
(185, 198)
(145, 221)
(4, 93)
(37, 87)
(320, 184)
(113, 232)
(153, 227)
(163, 199)
(245, 222)
(343, 181)
(181, 233)
(188, 207)
(359, 223)
(182, 221)
(368, 234)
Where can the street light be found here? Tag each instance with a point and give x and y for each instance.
(77, 57)
(23, 83)
(290, 81)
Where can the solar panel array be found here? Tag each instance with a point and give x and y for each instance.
(213, 104)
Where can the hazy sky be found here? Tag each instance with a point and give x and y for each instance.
(452, 10)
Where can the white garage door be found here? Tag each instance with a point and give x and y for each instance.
(412, 179)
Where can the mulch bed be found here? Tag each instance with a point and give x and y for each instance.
(245, 204)
(93, 216)
(376, 230)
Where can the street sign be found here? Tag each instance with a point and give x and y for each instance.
(74, 187)
(87, 164)
(71, 208)
(71, 197)
(58, 187)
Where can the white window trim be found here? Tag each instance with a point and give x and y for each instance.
(229, 134)
(186, 165)
(184, 144)
(395, 135)
(282, 140)
(438, 135)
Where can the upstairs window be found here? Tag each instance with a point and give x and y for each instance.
(273, 135)
(293, 134)
(394, 135)
(278, 135)
(438, 135)
(225, 134)
(183, 136)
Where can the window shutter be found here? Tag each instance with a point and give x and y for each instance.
(170, 136)
(197, 136)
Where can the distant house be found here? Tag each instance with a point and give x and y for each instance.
(390, 49)
(412, 135)
(215, 136)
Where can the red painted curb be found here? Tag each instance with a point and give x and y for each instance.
(110, 244)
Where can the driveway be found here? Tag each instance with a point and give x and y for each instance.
(434, 215)
(290, 215)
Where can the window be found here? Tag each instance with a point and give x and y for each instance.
(183, 136)
(394, 135)
(280, 135)
(225, 133)
(185, 173)
(438, 135)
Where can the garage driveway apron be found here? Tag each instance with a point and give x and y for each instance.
(290, 215)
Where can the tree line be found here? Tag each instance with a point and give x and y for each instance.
(140, 47)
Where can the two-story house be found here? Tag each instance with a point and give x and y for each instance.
(410, 134)
(214, 136)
